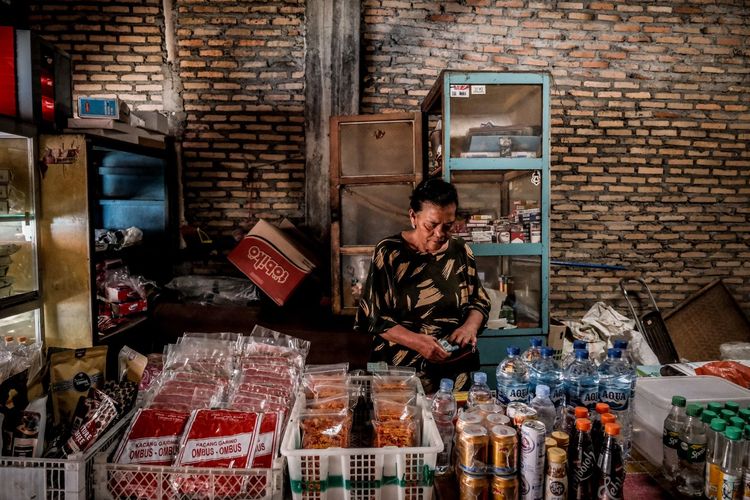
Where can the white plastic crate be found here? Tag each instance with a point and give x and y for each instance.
(117, 481)
(56, 479)
(362, 473)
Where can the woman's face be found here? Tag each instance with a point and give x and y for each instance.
(433, 225)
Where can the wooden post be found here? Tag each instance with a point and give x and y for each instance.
(331, 88)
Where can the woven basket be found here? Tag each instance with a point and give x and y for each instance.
(706, 320)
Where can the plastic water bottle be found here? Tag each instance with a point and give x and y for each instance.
(479, 392)
(545, 409)
(512, 379)
(692, 454)
(548, 372)
(444, 411)
(615, 387)
(731, 465)
(673, 424)
(571, 356)
(533, 352)
(581, 382)
(716, 442)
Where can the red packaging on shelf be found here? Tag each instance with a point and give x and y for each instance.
(128, 308)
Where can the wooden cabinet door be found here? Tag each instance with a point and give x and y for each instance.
(376, 160)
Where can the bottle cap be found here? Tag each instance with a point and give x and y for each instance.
(602, 408)
(733, 433)
(579, 344)
(608, 418)
(737, 422)
(707, 416)
(726, 414)
(620, 344)
(513, 351)
(694, 410)
(549, 443)
(731, 405)
(581, 412)
(480, 378)
(557, 455)
(678, 401)
(614, 353)
(542, 391)
(612, 429)
(562, 438)
(446, 385)
(547, 352)
(715, 407)
(744, 413)
(583, 424)
(718, 425)
(582, 354)
(535, 342)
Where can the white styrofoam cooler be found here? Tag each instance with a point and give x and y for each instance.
(653, 400)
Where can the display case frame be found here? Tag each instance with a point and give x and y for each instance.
(437, 104)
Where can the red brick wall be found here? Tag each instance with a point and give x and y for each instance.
(650, 126)
(650, 114)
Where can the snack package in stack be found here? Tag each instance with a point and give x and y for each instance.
(322, 429)
(396, 418)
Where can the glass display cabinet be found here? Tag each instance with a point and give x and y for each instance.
(489, 134)
(20, 294)
(376, 160)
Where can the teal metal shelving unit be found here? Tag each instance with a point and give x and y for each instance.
(484, 105)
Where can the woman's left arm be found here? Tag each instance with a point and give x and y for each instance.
(477, 309)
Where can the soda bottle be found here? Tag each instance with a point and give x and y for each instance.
(512, 379)
(545, 410)
(615, 389)
(581, 382)
(569, 357)
(444, 411)
(692, 454)
(533, 352)
(715, 442)
(597, 426)
(582, 464)
(479, 392)
(579, 413)
(731, 465)
(547, 371)
(673, 424)
(611, 467)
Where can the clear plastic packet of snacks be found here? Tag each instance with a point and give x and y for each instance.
(330, 369)
(389, 383)
(325, 429)
(399, 433)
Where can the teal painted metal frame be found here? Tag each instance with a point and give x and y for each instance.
(542, 164)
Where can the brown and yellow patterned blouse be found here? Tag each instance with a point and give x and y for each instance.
(425, 293)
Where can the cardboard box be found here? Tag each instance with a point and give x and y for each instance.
(102, 107)
(271, 259)
(556, 336)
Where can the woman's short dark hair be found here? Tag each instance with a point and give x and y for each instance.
(433, 190)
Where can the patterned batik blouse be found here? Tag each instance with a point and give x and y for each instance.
(423, 292)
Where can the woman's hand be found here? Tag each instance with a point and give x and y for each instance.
(464, 335)
(430, 348)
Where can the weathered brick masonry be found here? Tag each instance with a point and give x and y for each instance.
(650, 113)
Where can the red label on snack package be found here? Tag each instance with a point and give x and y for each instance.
(152, 438)
(218, 438)
(265, 443)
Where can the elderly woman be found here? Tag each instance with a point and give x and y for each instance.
(423, 287)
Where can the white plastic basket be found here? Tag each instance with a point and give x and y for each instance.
(362, 473)
(113, 481)
(56, 479)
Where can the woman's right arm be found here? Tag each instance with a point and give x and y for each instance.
(426, 345)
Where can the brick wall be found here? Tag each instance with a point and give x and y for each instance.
(650, 126)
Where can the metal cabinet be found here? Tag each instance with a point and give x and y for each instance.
(20, 294)
(91, 182)
(489, 134)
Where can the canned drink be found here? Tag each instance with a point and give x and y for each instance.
(494, 419)
(505, 488)
(520, 414)
(486, 409)
(514, 408)
(562, 439)
(467, 418)
(504, 446)
(473, 487)
(532, 460)
(556, 479)
(472, 445)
